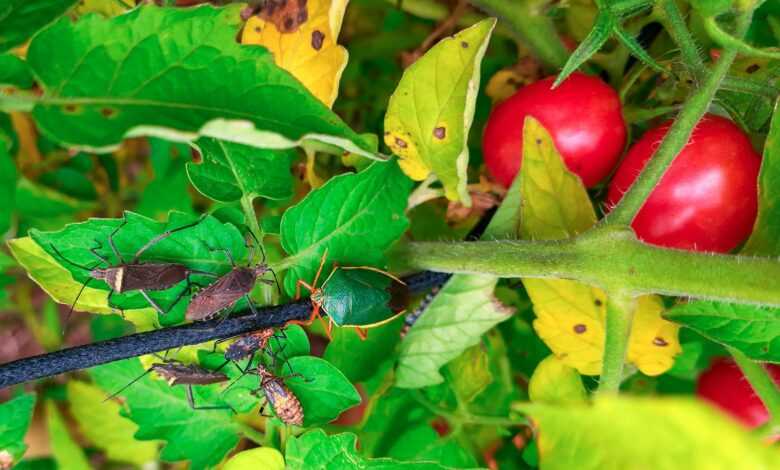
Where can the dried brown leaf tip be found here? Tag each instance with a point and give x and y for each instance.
(286, 15)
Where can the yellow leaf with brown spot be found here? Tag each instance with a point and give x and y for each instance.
(570, 316)
(430, 113)
(302, 36)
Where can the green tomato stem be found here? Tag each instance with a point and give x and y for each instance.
(620, 314)
(613, 259)
(250, 215)
(762, 384)
(673, 21)
(528, 20)
(677, 137)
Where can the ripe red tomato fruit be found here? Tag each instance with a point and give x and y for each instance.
(583, 115)
(708, 198)
(724, 385)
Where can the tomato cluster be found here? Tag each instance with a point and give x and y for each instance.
(706, 201)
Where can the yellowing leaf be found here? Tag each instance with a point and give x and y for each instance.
(430, 113)
(503, 84)
(302, 40)
(266, 458)
(570, 316)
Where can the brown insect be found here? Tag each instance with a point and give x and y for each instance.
(228, 289)
(177, 373)
(285, 404)
(136, 275)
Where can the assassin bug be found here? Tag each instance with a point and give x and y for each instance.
(246, 346)
(135, 275)
(283, 401)
(230, 288)
(178, 373)
(350, 296)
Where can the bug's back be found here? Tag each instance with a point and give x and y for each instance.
(222, 294)
(285, 404)
(151, 276)
(189, 374)
(244, 346)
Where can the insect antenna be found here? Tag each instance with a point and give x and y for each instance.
(113, 395)
(73, 306)
(80, 266)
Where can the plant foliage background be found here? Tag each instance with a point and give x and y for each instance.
(341, 131)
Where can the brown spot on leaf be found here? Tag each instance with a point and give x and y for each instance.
(464, 44)
(316, 39)
(401, 142)
(286, 15)
(753, 68)
(658, 341)
(440, 132)
(71, 108)
(538, 141)
(579, 328)
(598, 302)
(108, 112)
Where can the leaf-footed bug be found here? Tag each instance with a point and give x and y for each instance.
(135, 275)
(230, 288)
(178, 373)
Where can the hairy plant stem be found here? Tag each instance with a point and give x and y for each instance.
(613, 259)
(762, 384)
(677, 137)
(529, 21)
(620, 314)
(673, 21)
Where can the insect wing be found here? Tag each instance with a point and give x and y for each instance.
(220, 295)
(152, 276)
(283, 401)
(357, 297)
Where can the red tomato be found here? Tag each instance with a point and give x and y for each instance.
(583, 115)
(724, 385)
(708, 198)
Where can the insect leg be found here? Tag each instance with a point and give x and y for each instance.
(152, 302)
(322, 264)
(191, 402)
(362, 333)
(73, 305)
(111, 240)
(110, 304)
(97, 255)
(162, 237)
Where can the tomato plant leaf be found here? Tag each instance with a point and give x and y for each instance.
(570, 315)
(358, 358)
(323, 390)
(15, 417)
(99, 421)
(753, 330)
(555, 382)
(198, 247)
(194, 80)
(14, 71)
(317, 450)
(20, 19)
(356, 217)
(66, 452)
(422, 443)
(658, 433)
(162, 413)
(430, 113)
(765, 239)
(597, 37)
(266, 458)
(308, 49)
(230, 171)
(461, 312)
(469, 374)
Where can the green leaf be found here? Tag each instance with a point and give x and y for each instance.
(14, 71)
(555, 382)
(316, 450)
(15, 417)
(119, 77)
(356, 217)
(266, 458)
(751, 329)
(191, 246)
(430, 113)
(66, 453)
(356, 297)
(20, 19)
(461, 312)
(601, 31)
(169, 190)
(43, 207)
(230, 171)
(8, 177)
(657, 433)
(469, 374)
(555, 203)
(99, 421)
(422, 443)
(162, 413)
(8, 134)
(358, 358)
(322, 389)
(765, 239)
(55, 280)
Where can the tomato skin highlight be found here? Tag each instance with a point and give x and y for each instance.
(583, 116)
(708, 198)
(724, 386)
